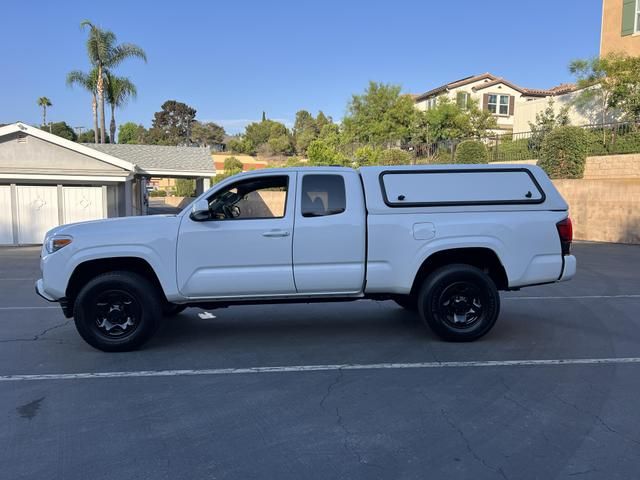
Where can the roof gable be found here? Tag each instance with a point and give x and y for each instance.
(19, 127)
(455, 84)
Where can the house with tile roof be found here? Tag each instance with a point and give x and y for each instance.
(497, 95)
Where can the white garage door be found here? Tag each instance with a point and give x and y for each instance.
(6, 230)
(37, 212)
(81, 204)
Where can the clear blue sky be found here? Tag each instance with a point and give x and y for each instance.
(232, 60)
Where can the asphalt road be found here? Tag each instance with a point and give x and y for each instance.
(406, 414)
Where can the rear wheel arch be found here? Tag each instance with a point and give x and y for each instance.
(483, 258)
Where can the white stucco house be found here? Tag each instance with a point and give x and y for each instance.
(46, 180)
(499, 96)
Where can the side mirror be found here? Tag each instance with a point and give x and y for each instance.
(200, 211)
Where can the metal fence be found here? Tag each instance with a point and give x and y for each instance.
(603, 139)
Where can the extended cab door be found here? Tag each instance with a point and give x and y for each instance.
(329, 238)
(244, 247)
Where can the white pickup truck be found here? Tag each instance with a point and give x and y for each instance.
(441, 240)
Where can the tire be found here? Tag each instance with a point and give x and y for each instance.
(459, 302)
(118, 311)
(172, 309)
(408, 302)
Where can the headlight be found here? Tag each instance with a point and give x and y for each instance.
(57, 242)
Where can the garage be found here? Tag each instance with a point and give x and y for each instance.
(40, 208)
(46, 181)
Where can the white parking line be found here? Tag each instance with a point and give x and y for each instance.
(29, 308)
(320, 368)
(572, 297)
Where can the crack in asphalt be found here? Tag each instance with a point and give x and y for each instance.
(347, 434)
(598, 419)
(38, 336)
(347, 443)
(470, 449)
(331, 386)
(584, 472)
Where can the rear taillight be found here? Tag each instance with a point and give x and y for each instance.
(565, 232)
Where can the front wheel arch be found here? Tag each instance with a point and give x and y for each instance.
(90, 269)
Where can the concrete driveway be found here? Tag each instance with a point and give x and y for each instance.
(357, 391)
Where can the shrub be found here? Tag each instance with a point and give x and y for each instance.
(395, 156)
(185, 187)
(295, 162)
(368, 155)
(321, 153)
(564, 152)
(626, 143)
(158, 193)
(232, 164)
(471, 151)
(515, 150)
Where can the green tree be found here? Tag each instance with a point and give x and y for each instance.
(118, 91)
(105, 54)
(448, 121)
(44, 102)
(625, 74)
(172, 124)
(89, 137)
(380, 116)
(257, 136)
(305, 130)
(597, 80)
(131, 133)
(89, 82)
(322, 120)
(545, 122)
(239, 144)
(61, 129)
(320, 152)
(206, 134)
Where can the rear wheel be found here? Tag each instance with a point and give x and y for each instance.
(117, 311)
(459, 302)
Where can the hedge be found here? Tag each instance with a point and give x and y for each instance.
(395, 156)
(471, 151)
(564, 152)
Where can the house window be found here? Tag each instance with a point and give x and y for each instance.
(432, 103)
(462, 99)
(498, 104)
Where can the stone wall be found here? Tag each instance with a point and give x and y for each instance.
(613, 166)
(603, 210)
(606, 166)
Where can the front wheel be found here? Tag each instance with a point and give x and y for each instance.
(117, 311)
(459, 302)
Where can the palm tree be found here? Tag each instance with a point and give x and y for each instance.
(44, 102)
(104, 54)
(118, 91)
(89, 82)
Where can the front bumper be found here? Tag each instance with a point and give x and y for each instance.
(40, 291)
